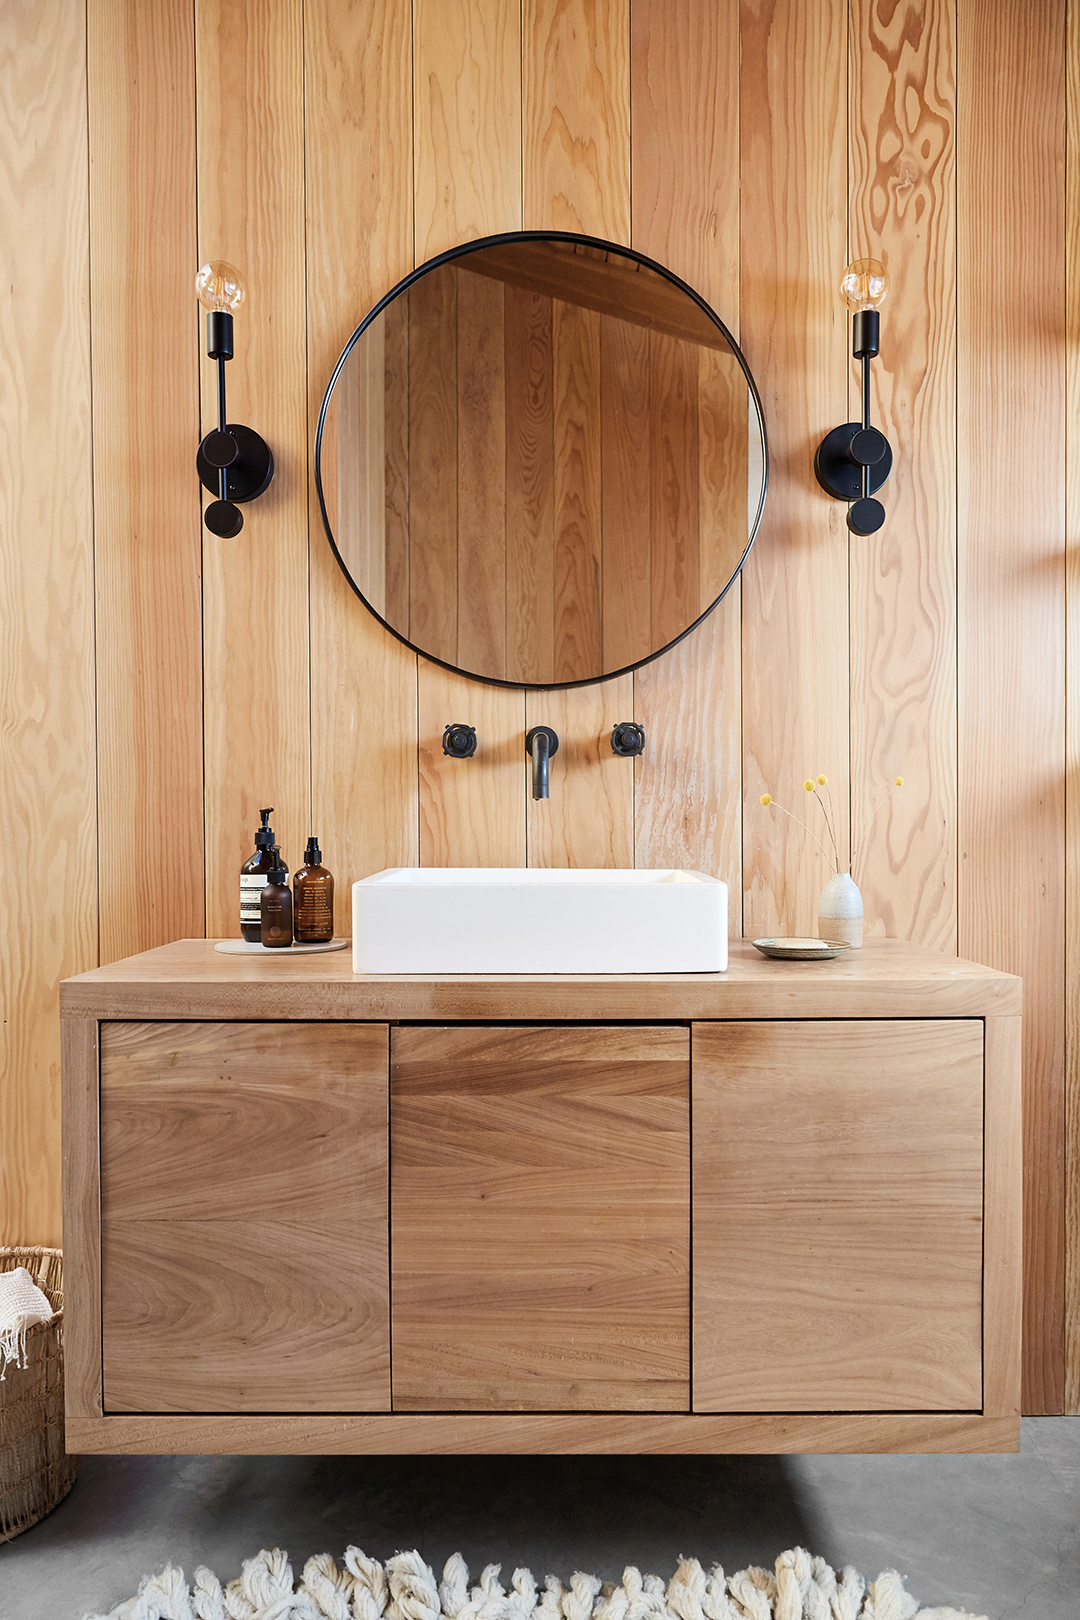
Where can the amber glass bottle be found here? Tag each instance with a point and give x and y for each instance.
(276, 906)
(313, 898)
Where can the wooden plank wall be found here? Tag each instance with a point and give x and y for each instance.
(159, 685)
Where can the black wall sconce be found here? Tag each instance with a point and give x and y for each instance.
(234, 463)
(853, 461)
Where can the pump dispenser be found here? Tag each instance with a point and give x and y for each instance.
(276, 905)
(313, 898)
(253, 876)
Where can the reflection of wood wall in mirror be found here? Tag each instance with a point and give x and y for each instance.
(560, 490)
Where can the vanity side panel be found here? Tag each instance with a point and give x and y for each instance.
(838, 1215)
(1003, 1281)
(244, 1217)
(82, 1209)
(540, 1202)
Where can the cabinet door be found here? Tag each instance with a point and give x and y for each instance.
(540, 1208)
(244, 1217)
(838, 1215)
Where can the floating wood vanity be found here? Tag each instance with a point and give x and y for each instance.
(774, 1209)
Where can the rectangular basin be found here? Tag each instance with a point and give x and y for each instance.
(534, 920)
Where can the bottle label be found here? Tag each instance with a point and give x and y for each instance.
(252, 885)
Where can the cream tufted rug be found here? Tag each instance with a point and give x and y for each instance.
(405, 1588)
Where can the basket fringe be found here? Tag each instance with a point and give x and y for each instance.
(800, 1588)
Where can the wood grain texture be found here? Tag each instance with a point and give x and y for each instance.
(1072, 718)
(244, 1244)
(1011, 589)
(1003, 1203)
(902, 122)
(886, 979)
(250, 175)
(481, 476)
(49, 903)
(686, 214)
(540, 1204)
(795, 583)
(588, 820)
(359, 243)
(577, 561)
(467, 112)
(147, 546)
(472, 811)
(838, 1215)
(82, 1219)
(568, 1433)
(576, 116)
(433, 464)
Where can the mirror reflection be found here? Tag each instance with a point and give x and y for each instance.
(541, 460)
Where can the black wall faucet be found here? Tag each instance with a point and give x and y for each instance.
(541, 742)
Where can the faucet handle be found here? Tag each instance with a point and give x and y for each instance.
(459, 741)
(628, 739)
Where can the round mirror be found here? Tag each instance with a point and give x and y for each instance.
(541, 459)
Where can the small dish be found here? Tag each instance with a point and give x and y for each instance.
(241, 947)
(801, 950)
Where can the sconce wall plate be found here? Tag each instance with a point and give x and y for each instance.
(249, 470)
(839, 471)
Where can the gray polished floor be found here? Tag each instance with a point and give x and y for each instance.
(999, 1535)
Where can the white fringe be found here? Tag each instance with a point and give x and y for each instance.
(800, 1588)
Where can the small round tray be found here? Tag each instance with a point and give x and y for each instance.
(240, 947)
(801, 950)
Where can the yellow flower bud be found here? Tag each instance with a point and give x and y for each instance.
(809, 786)
(822, 780)
(766, 798)
(899, 780)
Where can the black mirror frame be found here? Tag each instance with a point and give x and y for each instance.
(448, 257)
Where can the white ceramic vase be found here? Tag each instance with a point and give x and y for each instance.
(840, 913)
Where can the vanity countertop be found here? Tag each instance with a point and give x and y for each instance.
(887, 978)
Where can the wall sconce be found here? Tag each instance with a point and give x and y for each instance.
(234, 463)
(853, 461)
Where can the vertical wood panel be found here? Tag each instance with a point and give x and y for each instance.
(673, 486)
(795, 583)
(481, 380)
(49, 898)
(467, 88)
(589, 818)
(433, 464)
(467, 96)
(472, 811)
(578, 622)
(358, 151)
(576, 176)
(1011, 587)
(625, 506)
(250, 165)
(1072, 712)
(576, 116)
(686, 92)
(147, 525)
(530, 484)
(903, 579)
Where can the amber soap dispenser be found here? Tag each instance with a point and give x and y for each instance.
(313, 898)
(276, 906)
(253, 876)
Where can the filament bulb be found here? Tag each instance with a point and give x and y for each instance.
(864, 284)
(220, 286)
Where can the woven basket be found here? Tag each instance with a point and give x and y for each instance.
(35, 1470)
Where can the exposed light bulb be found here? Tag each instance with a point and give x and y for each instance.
(220, 286)
(864, 284)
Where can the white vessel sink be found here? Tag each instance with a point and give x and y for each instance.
(533, 920)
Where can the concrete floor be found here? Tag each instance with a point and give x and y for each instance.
(999, 1535)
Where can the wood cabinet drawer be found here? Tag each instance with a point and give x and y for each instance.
(244, 1257)
(838, 1215)
(540, 1208)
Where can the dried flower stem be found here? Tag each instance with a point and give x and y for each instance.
(766, 799)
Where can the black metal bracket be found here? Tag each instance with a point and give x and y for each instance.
(234, 462)
(853, 461)
(459, 741)
(628, 739)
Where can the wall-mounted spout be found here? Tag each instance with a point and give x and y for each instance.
(541, 742)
